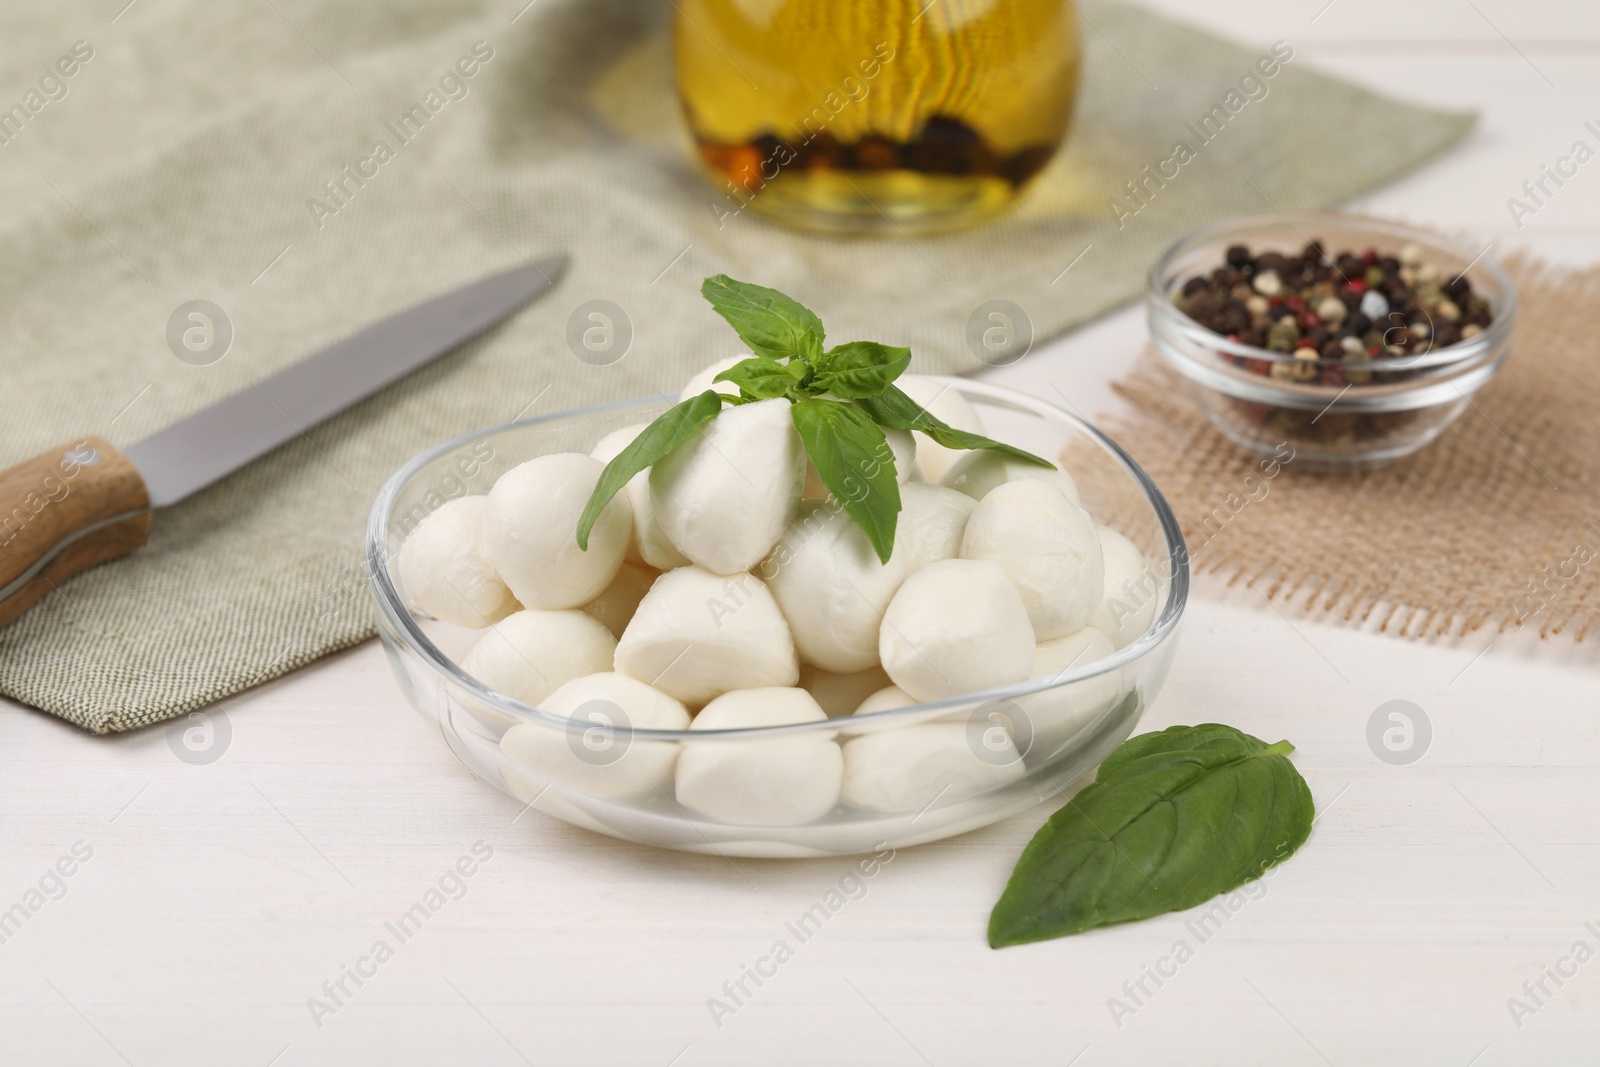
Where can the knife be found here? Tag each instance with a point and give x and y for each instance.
(85, 503)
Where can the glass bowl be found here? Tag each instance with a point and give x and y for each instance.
(1030, 740)
(1354, 413)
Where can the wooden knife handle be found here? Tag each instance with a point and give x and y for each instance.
(59, 516)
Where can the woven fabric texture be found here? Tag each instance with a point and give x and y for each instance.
(191, 150)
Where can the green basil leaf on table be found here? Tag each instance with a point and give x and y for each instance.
(763, 378)
(894, 409)
(855, 462)
(772, 324)
(1172, 819)
(671, 429)
(860, 369)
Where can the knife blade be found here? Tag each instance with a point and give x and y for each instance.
(84, 503)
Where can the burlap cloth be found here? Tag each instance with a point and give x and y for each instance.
(183, 160)
(1497, 523)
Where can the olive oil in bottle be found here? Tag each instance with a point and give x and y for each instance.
(864, 115)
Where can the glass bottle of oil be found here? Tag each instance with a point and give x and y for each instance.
(864, 115)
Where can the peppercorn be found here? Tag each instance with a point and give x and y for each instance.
(1233, 317)
(1282, 335)
(1357, 375)
(1272, 261)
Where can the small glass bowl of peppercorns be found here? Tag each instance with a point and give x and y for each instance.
(1353, 340)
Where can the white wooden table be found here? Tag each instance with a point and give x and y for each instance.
(218, 898)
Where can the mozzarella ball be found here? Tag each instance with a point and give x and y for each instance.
(702, 378)
(780, 781)
(913, 767)
(840, 694)
(1047, 546)
(595, 760)
(724, 496)
(1056, 715)
(615, 607)
(954, 627)
(650, 541)
(945, 403)
(831, 587)
(697, 635)
(1131, 590)
(932, 520)
(890, 696)
(901, 446)
(650, 545)
(531, 528)
(884, 699)
(611, 445)
(527, 656)
(981, 470)
(445, 567)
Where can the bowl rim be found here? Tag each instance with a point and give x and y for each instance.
(1164, 316)
(405, 624)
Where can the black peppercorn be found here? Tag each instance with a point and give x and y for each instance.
(1272, 261)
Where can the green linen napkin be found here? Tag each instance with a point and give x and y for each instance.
(231, 153)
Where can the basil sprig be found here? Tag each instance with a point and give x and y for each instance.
(1173, 819)
(842, 399)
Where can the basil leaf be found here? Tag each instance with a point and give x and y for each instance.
(855, 463)
(1173, 819)
(675, 426)
(896, 410)
(772, 324)
(860, 369)
(761, 377)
